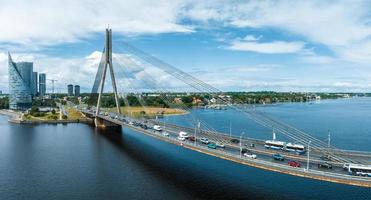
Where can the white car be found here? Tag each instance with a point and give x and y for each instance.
(250, 155)
(157, 128)
(204, 141)
(165, 134)
(219, 144)
(183, 134)
(181, 138)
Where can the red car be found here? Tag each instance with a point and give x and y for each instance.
(294, 164)
(192, 138)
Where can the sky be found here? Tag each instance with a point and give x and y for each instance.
(306, 46)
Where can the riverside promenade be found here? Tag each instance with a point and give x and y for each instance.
(17, 118)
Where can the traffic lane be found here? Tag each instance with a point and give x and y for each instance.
(261, 156)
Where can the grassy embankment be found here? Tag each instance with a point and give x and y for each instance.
(148, 111)
(42, 117)
(74, 114)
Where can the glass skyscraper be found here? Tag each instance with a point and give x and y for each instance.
(34, 84)
(20, 92)
(42, 84)
(70, 90)
(77, 90)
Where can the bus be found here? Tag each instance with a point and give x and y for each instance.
(273, 144)
(358, 169)
(298, 148)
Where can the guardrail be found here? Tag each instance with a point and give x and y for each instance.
(256, 161)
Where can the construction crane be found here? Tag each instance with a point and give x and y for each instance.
(52, 80)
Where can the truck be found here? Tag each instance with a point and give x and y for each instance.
(157, 128)
(183, 134)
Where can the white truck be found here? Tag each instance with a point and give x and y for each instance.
(183, 134)
(157, 128)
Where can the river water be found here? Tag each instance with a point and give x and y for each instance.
(76, 161)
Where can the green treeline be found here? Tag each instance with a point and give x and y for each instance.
(4, 103)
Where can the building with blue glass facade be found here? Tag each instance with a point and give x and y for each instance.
(20, 78)
(70, 90)
(77, 90)
(34, 84)
(42, 84)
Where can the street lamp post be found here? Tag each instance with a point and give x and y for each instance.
(241, 144)
(308, 155)
(197, 129)
(195, 133)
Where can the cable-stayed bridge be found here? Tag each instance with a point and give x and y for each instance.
(132, 69)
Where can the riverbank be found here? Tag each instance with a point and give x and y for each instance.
(138, 111)
(18, 118)
(14, 116)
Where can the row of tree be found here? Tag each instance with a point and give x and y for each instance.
(4, 103)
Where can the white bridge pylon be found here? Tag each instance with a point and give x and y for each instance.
(107, 62)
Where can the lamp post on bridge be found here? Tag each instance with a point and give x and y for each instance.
(308, 155)
(241, 143)
(197, 128)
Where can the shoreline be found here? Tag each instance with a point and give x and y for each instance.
(16, 118)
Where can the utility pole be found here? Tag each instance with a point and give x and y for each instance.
(241, 144)
(230, 129)
(198, 129)
(308, 155)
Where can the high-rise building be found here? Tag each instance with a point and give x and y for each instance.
(42, 84)
(20, 93)
(70, 90)
(77, 90)
(34, 84)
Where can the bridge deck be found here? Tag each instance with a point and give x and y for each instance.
(264, 157)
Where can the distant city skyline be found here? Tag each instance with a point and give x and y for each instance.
(319, 46)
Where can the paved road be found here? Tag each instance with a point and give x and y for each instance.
(263, 155)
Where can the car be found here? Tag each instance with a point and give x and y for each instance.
(235, 141)
(326, 157)
(252, 145)
(278, 157)
(219, 144)
(181, 138)
(250, 155)
(204, 141)
(293, 163)
(244, 150)
(183, 134)
(211, 145)
(192, 138)
(325, 165)
(165, 134)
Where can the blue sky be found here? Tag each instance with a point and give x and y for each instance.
(233, 45)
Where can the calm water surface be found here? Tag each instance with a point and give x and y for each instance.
(76, 161)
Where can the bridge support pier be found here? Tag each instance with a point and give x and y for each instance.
(101, 123)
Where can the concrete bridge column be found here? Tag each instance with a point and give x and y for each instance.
(102, 123)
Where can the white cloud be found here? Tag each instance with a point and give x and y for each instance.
(47, 22)
(268, 47)
(252, 38)
(342, 26)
